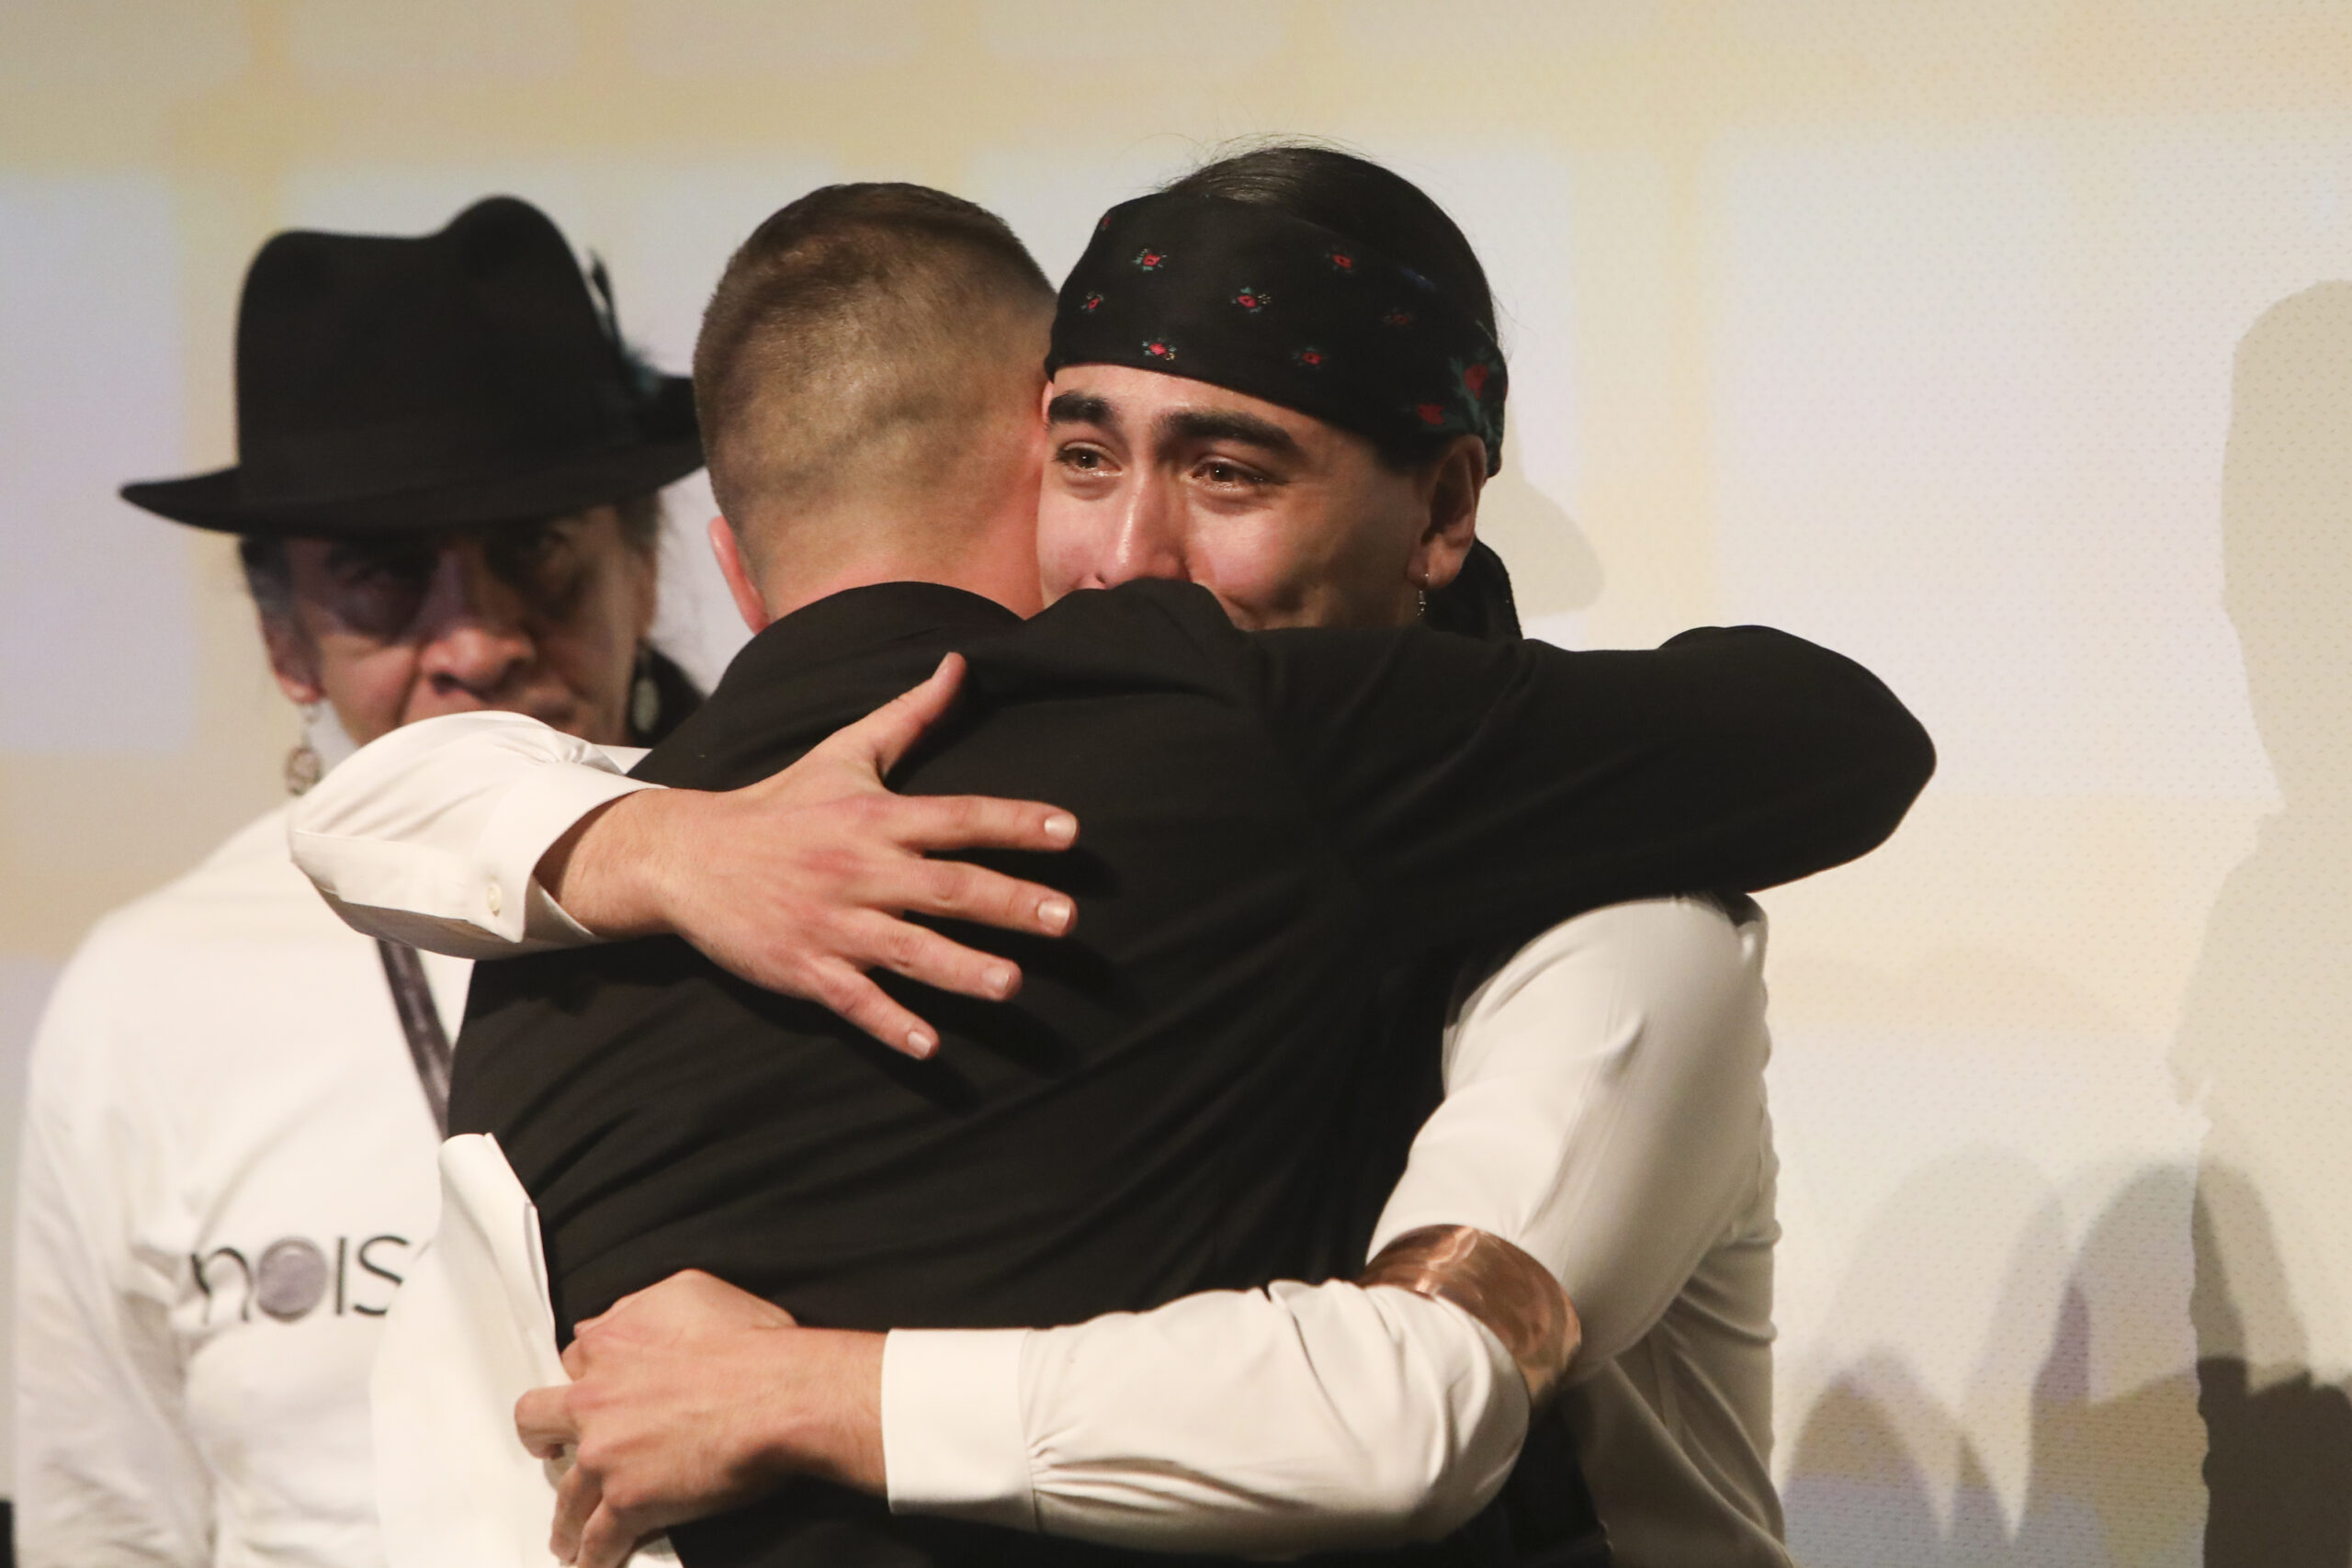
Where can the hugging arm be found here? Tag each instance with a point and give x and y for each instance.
(1603, 1095)
(486, 835)
(1493, 787)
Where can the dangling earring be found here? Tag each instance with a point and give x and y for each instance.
(1421, 599)
(303, 767)
(644, 696)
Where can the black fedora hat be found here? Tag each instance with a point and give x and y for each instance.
(387, 385)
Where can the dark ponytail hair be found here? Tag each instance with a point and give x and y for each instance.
(1381, 208)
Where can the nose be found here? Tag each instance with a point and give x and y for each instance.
(475, 639)
(1151, 538)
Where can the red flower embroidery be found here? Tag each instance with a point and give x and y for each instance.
(1150, 260)
(1397, 318)
(1475, 379)
(1310, 358)
(1253, 300)
(1092, 302)
(1344, 262)
(1159, 348)
(1430, 413)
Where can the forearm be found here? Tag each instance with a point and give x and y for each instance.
(1604, 1108)
(1265, 1422)
(433, 835)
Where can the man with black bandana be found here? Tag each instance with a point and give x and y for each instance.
(1484, 729)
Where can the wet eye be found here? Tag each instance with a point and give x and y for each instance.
(1081, 459)
(1217, 471)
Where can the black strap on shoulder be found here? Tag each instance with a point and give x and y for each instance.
(428, 1043)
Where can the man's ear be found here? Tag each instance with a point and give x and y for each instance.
(749, 603)
(1455, 485)
(292, 658)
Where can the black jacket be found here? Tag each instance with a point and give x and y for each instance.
(1271, 825)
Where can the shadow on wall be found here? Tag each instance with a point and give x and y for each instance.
(2266, 1040)
(2244, 1458)
(1552, 568)
(2112, 1481)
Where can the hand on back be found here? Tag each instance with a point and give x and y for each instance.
(802, 883)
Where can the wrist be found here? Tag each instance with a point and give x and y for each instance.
(605, 870)
(823, 1413)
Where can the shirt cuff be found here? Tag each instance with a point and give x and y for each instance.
(540, 809)
(951, 1440)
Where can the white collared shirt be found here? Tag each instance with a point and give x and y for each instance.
(1605, 1109)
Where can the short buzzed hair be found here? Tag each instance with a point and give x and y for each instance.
(861, 337)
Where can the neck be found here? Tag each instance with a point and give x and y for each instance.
(978, 532)
(996, 558)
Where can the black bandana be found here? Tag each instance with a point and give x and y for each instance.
(1257, 301)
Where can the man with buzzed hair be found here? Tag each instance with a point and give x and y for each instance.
(873, 355)
(1270, 822)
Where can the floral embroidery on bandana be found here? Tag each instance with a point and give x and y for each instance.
(1285, 309)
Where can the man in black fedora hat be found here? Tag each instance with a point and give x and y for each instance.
(447, 500)
(439, 416)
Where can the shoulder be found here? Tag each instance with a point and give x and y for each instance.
(250, 878)
(137, 959)
(1145, 634)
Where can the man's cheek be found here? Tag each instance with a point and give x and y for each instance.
(1061, 560)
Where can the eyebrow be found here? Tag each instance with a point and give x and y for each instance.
(373, 551)
(1218, 425)
(1081, 408)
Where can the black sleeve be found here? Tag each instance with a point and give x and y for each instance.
(1486, 787)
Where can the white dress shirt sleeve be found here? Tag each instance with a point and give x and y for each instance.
(1604, 1097)
(430, 834)
(1604, 1089)
(1263, 1423)
(107, 1468)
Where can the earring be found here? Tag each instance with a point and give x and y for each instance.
(303, 767)
(1421, 599)
(644, 698)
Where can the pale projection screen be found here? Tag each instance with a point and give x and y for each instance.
(2006, 346)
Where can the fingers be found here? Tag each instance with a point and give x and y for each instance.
(606, 1540)
(953, 890)
(577, 1499)
(543, 1419)
(948, 822)
(890, 731)
(920, 954)
(857, 999)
